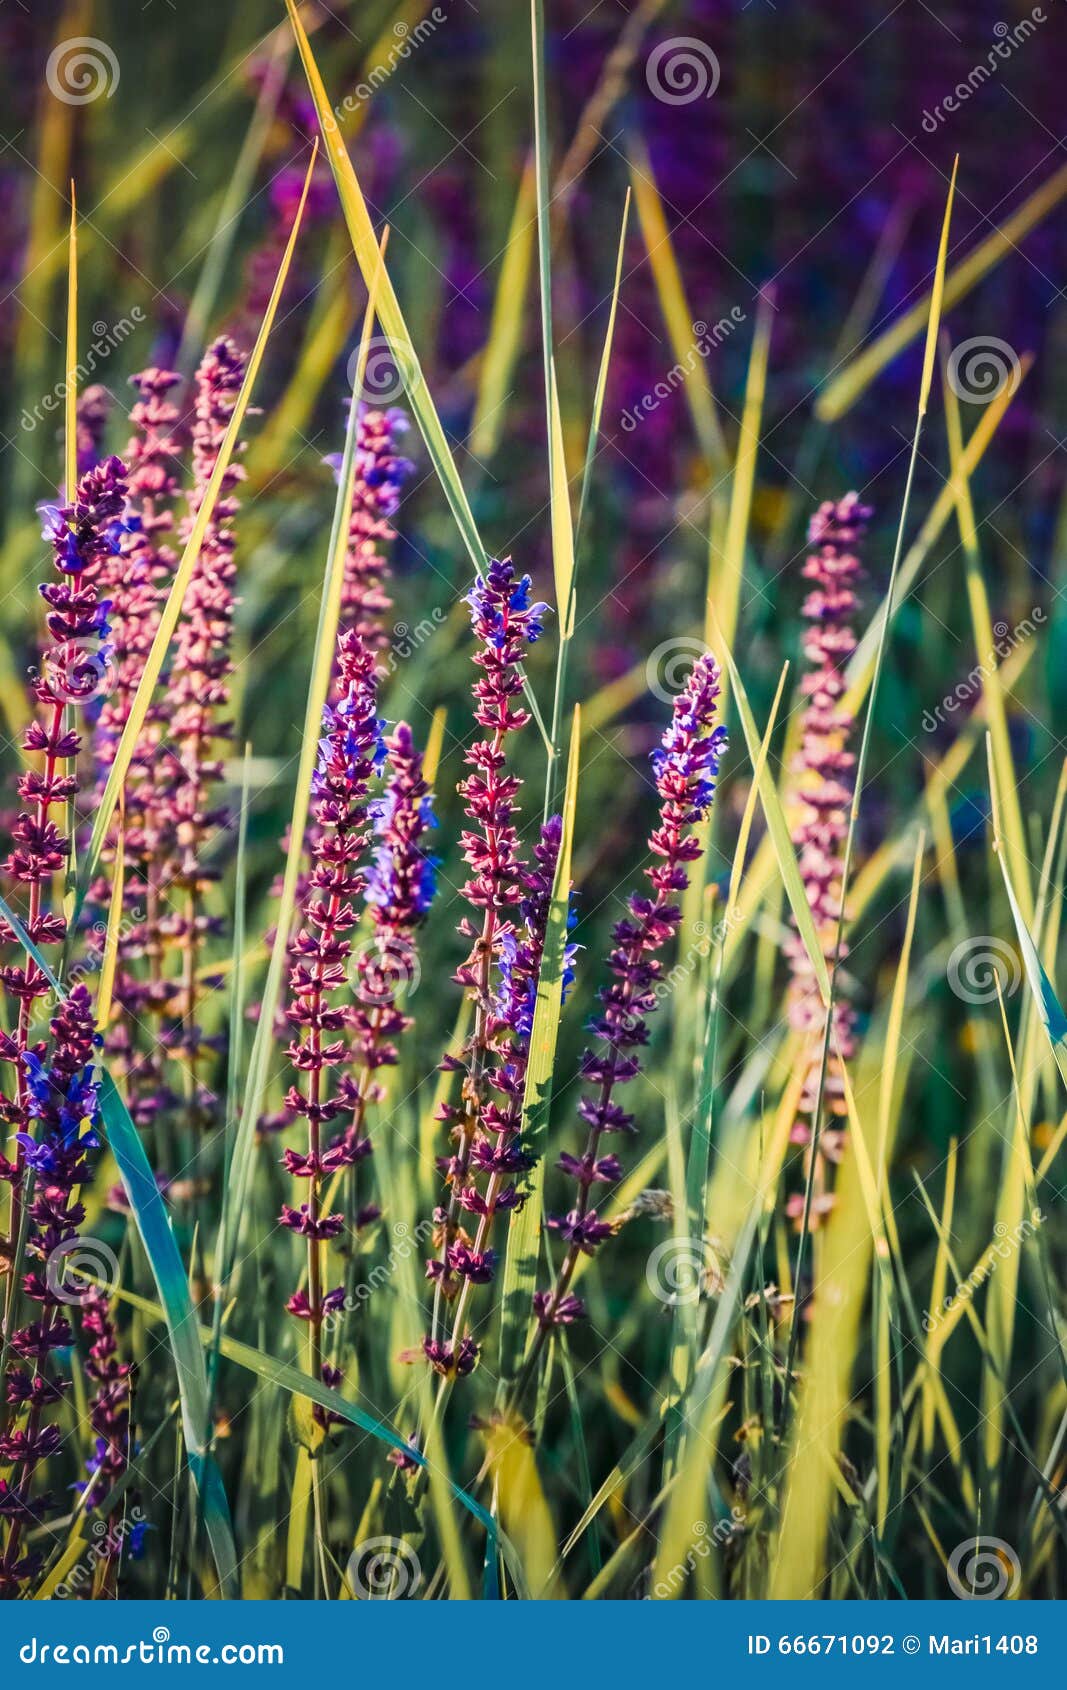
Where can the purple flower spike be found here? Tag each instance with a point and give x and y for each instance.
(495, 974)
(685, 766)
(824, 789)
(321, 953)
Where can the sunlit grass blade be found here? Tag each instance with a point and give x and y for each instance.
(605, 364)
(168, 621)
(70, 436)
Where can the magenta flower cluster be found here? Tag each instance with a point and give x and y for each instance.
(824, 793)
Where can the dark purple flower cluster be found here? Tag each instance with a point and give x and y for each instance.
(61, 1111)
(93, 409)
(380, 476)
(349, 749)
(505, 622)
(109, 1412)
(685, 767)
(824, 792)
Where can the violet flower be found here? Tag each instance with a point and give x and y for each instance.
(84, 535)
(685, 768)
(380, 476)
(348, 750)
(400, 886)
(824, 790)
(93, 409)
(61, 1108)
(505, 622)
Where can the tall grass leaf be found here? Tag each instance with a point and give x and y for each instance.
(519, 1275)
(172, 609)
(365, 246)
(562, 520)
(70, 442)
(154, 1230)
(605, 364)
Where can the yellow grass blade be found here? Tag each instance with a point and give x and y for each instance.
(933, 327)
(562, 520)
